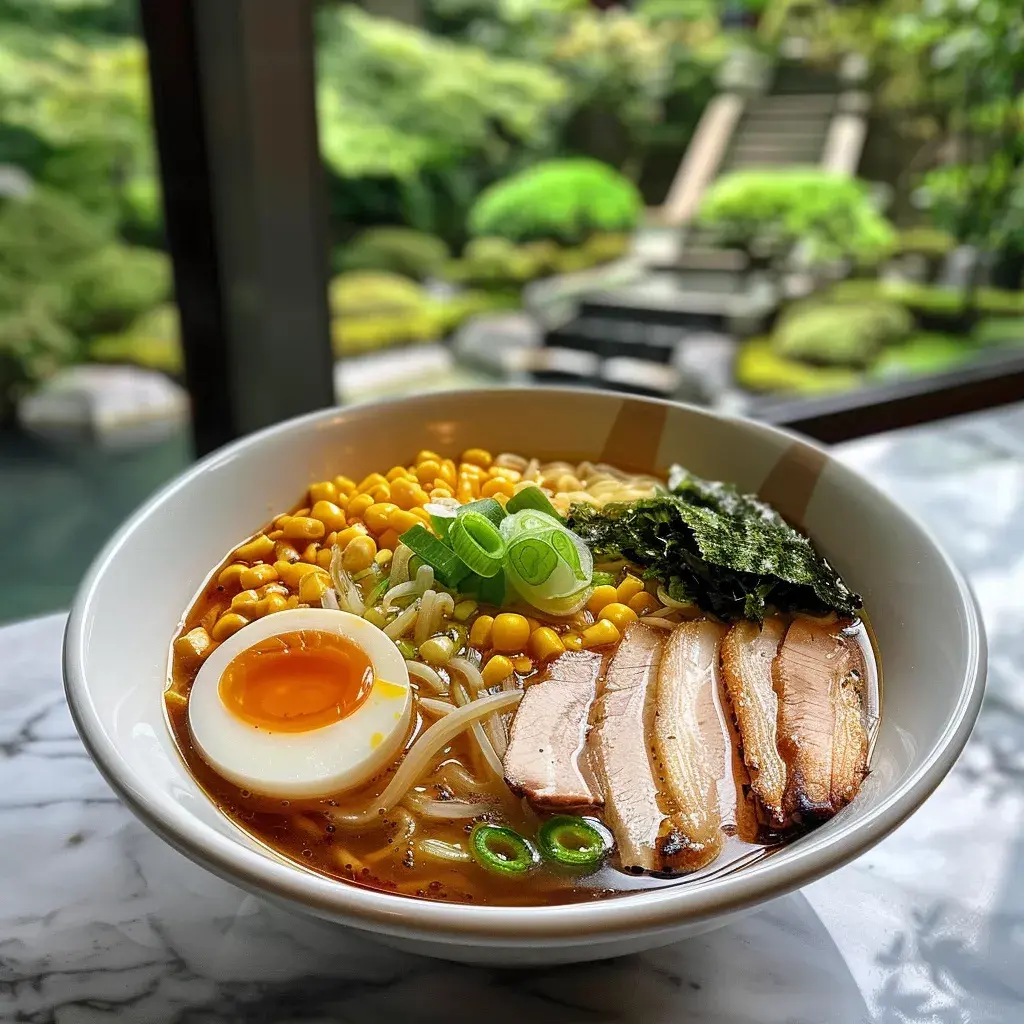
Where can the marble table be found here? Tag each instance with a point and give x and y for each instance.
(100, 921)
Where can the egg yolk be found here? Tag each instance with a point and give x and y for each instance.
(297, 681)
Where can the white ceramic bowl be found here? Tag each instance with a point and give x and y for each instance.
(115, 654)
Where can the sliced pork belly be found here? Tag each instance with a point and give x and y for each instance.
(692, 746)
(748, 650)
(549, 731)
(818, 677)
(619, 746)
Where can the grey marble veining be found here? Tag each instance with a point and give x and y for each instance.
(100, 921)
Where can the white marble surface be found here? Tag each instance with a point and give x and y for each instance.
(99, 921)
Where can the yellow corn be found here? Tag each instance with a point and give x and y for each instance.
(388, 540)
(522, 664)
(440, 492)
(408, 494)
(620, 615)
(245, 602)
(480, 632)
(422, 515)
(344, 485)
(329, 514)
(194, 646)
(496, 486)
(285, 551)
(228, 624)
(510, 632)
(376, 516)
(573, 641)
(628, 589)
(256, 577)
(303, 528)
(273, 588)
(357, 506)
(276, 535)
(505, 473)
(312, 587)
(213, 613)
(644, 603)
(274, 603)
(293, 601)
(426, 456)
(255, 550)
(600, 634)
(400, 521)
(427, 470)
(358, 554)
(323, 558)
(545, 643)
(349, 534)
(448, 473)
(601, 596)
(396, 473)
(383, 557)
(370, 480)
(229, 577)
(477, 457)
(380, 492)
(323, 491)
(292, 573)
(310, 552)
(497, 669)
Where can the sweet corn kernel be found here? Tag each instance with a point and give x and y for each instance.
(256, 577)
(213, 613)
(312, 587)
(448, 473)
(628, 589)
(229, 577)
(545, 643)
(376, 516)
(330, 540)
(467, 490)
(644, 603)
(273, 588)
(323, 491)
(422, 515)
(276, 535)
(501, 499)
(303, 528)
(349, 534)
(400, 521)
(440, 492)
(370, 480)
(323, 558)
(380, 492)
(601, 633)
(426, 471)
(301, 512)
(194, 646)
(522, 664)
(358, 554)
(464, 609)
(510, 632)
(388, 540)
(513, 476)
(228, 624)
(291, 573)
(310, 552)
(344, 485)
(408, 494)
(492, 488)
(245, 602)
(477, 457)
(329, 514)
(621, 615)
(255, 550)
(573, 641)
(383, 557)
(497, 669)
(293, 601)
(285, 551)
(282, 519)
(396, 473)
(426, 456)
(357, 506)
(601, 596)
(480, 632)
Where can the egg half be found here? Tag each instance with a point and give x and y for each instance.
(305, 702)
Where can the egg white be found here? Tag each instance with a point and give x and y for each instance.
(319, 762)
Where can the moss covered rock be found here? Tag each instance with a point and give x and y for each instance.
(832, 334)
(396, 250)
(759, 367)
(921, 355)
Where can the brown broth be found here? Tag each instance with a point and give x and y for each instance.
(383, 858)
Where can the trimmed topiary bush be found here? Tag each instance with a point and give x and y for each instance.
(565, 200)
(838, 335)
(759, 367)
(999, 332)
(932, 243)
(153, 340)
(921, 355)
(396, 250)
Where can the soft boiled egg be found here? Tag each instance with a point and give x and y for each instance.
(305, 702)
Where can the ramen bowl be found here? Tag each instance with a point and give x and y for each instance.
(131, 603)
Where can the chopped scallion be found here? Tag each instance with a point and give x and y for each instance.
(501, 850)
(604, 579)
(486, 507)
(572, 842)
(447, 566)
(531, 497)
(476, 540)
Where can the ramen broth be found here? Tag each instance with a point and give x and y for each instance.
(389, 854)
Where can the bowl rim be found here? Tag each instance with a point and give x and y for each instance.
(403, 916)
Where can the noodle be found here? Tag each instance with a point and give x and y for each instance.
(426, 617)
(454, 775)
(401, 624)
(438, 850)
(470, 673)
(408, 830)
(441, 810)
(400, 565)
(655, 620)
(427, 675)
(433, 740)
(484, 745)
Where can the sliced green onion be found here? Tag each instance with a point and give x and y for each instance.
(532, 560)
(464, 609)
(603, 579)
(407, 649)
(501, 850)
(492, 590)
(476, 540)
(528, 521)
(572, 842)
(531, 497)
(378, 591)
(447, 566)
(563, 544)
(441, 517)
(486, 507)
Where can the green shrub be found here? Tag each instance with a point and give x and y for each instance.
(1000, 302)
(759, 367)
(396, 250)
(837, 335)
(921, 355)
(932, 243)
(114, 285)
(565, 200)
(998, 332)
(153, 340)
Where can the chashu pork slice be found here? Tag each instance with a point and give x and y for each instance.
(819, 677)
(748, 651)
(693, 748)
(543, 760)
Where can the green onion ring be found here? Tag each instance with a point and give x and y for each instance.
(501, 850)
(572, 842)
(476, 540)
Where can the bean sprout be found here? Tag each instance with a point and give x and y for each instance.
(427, 675)
(400, 625)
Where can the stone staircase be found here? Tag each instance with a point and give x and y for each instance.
(777, 130)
